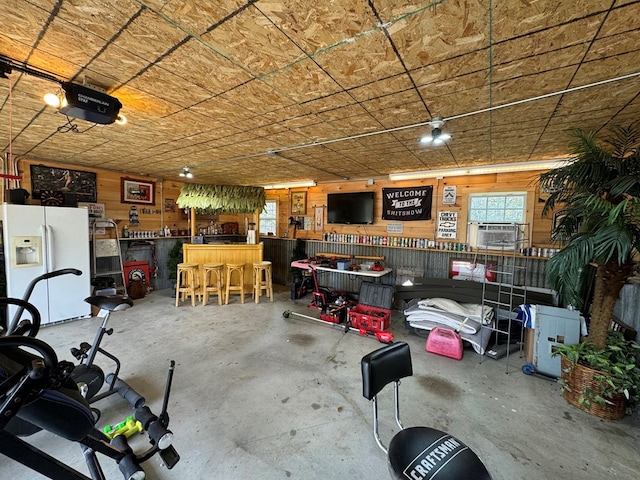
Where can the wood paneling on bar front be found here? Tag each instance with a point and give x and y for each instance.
(230, 253)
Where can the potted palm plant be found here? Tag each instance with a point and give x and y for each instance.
(599, 194)
(174, 257)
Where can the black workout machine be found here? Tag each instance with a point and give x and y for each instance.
(419, 453)
(37, 392)
(38, 389)
(89, 376)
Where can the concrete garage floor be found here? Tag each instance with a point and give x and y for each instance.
(259, 396)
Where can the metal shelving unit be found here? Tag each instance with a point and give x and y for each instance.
(510, 289)
(106, 257)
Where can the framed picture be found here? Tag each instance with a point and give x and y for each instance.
(137, 191)
(461, 269)
(298, 203)
(77, 183)
(169, 205)
(319, 219)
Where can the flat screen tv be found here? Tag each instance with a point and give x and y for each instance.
(350, 208)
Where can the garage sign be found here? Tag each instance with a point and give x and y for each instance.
(407, 204)
(447, 224)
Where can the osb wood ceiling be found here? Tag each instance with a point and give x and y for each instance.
(261, 92)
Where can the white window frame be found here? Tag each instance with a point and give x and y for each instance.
(523, 218)
(274, 218)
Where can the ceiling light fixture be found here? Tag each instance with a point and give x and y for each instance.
(186, 173)
(437, 137)
(481, 170)
(301, 184)
(52, 99)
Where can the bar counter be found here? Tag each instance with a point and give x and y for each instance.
(225, 253)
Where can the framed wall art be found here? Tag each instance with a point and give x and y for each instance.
(137, 191)
(298, 203)
(319, 219)
(77, 183)
(169, 205)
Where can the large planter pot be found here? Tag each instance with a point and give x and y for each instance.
(578, 379)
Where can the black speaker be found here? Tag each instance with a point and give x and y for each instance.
(18, 196)
(70, 200)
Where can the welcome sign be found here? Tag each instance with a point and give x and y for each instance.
(407, 204)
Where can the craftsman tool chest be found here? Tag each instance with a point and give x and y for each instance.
(373, 310)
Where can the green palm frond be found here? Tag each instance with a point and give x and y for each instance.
(566, 269)
(624, 140)
(599, 197)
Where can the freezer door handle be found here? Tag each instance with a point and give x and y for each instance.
(50, 258)
(45, 250)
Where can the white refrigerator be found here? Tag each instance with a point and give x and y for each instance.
(38, 240)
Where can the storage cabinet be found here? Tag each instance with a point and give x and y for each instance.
(554, 326)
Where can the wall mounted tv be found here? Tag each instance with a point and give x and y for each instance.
(350, 208)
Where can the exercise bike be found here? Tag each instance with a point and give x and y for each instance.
(38, 389)
(89, 376)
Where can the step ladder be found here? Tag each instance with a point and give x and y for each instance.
(106, 253)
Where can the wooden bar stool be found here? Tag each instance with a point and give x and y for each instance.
(212, 281)
(188, 282)
(234, 286)
(262, 280)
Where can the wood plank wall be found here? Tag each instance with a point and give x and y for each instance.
(490, 183)
(108, 189)
(151, 217)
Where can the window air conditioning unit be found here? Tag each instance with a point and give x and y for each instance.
(495, 236)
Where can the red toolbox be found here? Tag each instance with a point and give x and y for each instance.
(373, 311)
(336, 313)
(136, 270)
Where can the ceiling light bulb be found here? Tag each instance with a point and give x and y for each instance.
(52, 100)
(121, 119)
(189, 175)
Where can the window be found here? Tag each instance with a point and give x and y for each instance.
(498, 208)
(269, 218)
